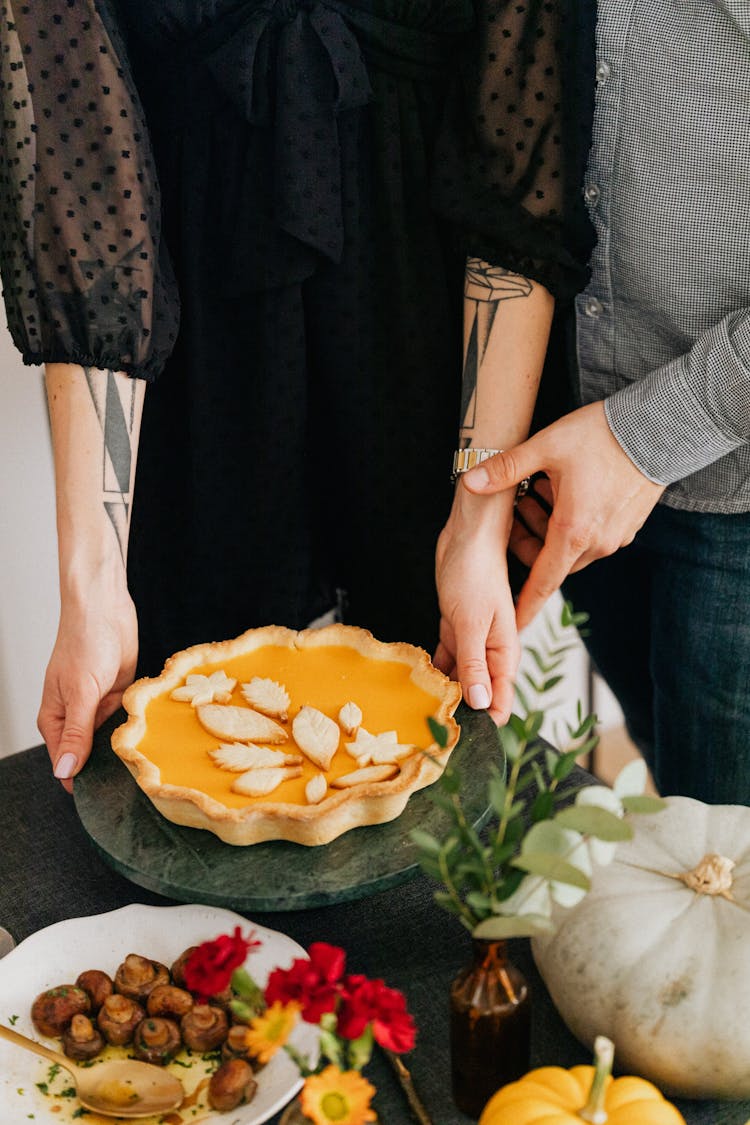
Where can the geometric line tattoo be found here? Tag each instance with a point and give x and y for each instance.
(117, 457)
(485, 286)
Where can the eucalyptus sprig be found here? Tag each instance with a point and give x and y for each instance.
(532, 853)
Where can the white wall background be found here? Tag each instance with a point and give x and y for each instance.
(28, 563)
(28, 566)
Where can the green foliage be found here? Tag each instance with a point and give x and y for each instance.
(529, 834)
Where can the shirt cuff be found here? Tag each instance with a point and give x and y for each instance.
(693, 410)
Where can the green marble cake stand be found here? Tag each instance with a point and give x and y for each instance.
(191, 865)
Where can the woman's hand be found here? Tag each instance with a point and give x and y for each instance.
(92, 663)
(599, 500)
(478, 636)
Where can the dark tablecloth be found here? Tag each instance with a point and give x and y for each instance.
(49, 871)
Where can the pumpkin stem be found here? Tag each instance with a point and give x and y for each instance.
(712, 876)
(604, 1053)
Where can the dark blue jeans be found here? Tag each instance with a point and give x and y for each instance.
(670, 633)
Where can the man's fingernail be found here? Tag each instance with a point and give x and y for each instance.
(65, 765)
(478, 478)
(479, 697)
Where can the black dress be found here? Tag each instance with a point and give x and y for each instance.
(304, 179)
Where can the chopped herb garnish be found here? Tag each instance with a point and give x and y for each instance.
(13, 1020)
(43, 1086)
(68, 1092)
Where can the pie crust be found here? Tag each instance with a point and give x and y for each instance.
(415, 691)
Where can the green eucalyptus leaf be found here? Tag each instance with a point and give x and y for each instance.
(502, 852)
(565, 764)
(643, 803)
(543, 806)
(510, 742)
(586, 747)
(438, 732)
(517, 725)
(585, 725)
(553, 868)
(424, 841)
(510, 885)
(516, 925)
(479, 901)
(533, 724)
(592, 820)
(496, 790)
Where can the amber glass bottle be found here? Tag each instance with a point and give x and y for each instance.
(490, 1024)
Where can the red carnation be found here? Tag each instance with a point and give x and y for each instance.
(209, 967)
(313, 983)
(366, 1001)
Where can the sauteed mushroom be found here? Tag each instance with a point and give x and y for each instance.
(235, 1044)
(53, 1010)
(168, 1001)
(82, 1040)
(231, 1085)
(178, 968)
(156, 1040)
(137, 976)
(118, 1018)
(97, 985)
(204, 1028)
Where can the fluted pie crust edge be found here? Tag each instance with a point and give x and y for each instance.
(340, 810)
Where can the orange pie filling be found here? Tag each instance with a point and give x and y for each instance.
(325, 677)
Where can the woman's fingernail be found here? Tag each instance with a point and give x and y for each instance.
(478, 478)
(479, 697)
(65, 765)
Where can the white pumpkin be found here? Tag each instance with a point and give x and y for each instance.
(657, 955)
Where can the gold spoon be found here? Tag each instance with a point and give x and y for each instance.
(118, 1088)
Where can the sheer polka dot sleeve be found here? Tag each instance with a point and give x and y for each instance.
(85, 278)
(512, 154)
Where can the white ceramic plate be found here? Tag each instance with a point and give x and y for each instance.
(57, 954)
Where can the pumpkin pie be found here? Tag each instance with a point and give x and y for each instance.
(279, 734)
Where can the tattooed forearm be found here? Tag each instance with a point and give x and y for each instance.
(485, 287)
(114, 402)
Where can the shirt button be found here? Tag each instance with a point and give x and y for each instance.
(592, 193)
(593, 308)
(603, 71)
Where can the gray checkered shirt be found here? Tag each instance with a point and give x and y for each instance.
(663, 329)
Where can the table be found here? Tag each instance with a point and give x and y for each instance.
(49, 871)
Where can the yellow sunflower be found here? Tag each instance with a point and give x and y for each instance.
(336, 1097)
(266, 1033)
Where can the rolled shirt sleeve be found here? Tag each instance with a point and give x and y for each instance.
(692, 411)
(86, 278)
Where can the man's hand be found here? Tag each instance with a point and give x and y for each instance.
(92, 663)
(478, 637)
(599, 500)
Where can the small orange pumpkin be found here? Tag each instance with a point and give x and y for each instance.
(583, 1094)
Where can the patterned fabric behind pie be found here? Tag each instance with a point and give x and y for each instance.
(304, 177)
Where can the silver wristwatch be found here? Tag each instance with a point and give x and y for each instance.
(465, 459)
